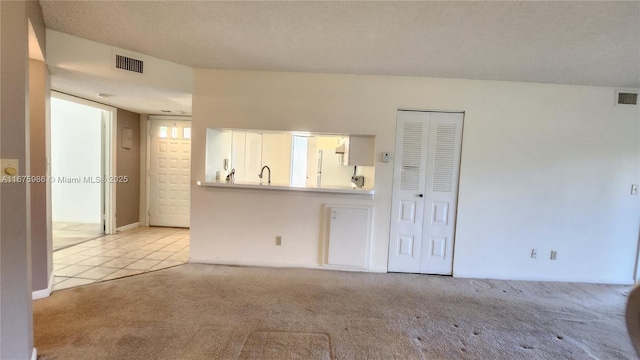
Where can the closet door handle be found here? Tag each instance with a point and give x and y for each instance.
(421, 195)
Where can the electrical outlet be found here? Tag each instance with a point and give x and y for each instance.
(534, 253)
(554, 254)
(279, 240)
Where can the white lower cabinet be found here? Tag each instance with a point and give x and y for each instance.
(348, 236)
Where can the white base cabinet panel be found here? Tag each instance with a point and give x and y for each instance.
(348, 236)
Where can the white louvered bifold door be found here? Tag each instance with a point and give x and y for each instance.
(441, 192)
(409, 175)
(425, 188)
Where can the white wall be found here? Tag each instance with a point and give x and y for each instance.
(75, 152)
(544, 166)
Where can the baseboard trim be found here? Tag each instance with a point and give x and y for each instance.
(607, 281)
(128, 227)
(40, 294)
(34, 354)
(197, 260)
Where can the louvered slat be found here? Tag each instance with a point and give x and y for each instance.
(444, 157)
(411, 156)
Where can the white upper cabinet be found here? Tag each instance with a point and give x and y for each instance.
(359, 150)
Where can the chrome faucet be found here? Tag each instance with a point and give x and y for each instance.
(262, 171)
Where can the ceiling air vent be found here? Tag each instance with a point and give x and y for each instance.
(626, 98)
(129, 64)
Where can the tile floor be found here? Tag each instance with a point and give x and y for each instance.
(124, 254)
(66, 234)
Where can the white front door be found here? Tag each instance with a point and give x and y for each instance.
(169, 173)
(425, 189)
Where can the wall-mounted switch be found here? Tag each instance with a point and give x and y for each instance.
(10, 169)
(279, 240)
(634, 189)
(534, 253)
(554, 254)
(386, 157)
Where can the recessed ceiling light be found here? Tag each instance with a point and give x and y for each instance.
(101, 95)
(166, 111)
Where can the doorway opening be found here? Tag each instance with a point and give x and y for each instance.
(82, 198)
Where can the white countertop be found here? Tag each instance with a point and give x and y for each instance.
(329, 189)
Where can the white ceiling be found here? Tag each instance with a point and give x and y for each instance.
(584, 43)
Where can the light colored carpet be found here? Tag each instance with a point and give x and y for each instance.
(219, 312)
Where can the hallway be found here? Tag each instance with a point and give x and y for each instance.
(130, 252)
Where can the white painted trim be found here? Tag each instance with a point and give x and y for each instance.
(437, 111)
(291, 266)
(147, 183)
(81, 101)
(128, 227)
(34, 354)
(41, 294)
(571, 279)
(111, 144)
(170, 117)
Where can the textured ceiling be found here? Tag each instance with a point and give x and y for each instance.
(585, 43)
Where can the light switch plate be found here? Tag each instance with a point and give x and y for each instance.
(386, 157)
(6, 168)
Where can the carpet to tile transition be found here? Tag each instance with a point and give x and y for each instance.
(220, 312)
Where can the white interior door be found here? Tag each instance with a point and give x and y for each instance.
(169, 173)
(409, 174)
(441, 193)
(425, 189)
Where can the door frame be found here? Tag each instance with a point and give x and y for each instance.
(109, 146)
(393, 181)
(147, 166)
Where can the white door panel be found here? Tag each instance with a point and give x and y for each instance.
(348, 243)
(441, 192)
(409, 175)
(170, 173)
